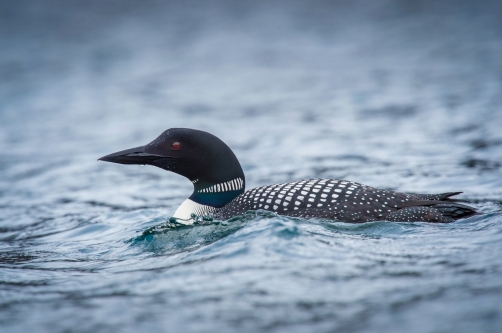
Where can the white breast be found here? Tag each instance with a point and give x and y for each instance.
(184, 212)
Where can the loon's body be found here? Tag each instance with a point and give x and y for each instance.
(219, 185)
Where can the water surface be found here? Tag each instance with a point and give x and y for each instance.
(403, 95)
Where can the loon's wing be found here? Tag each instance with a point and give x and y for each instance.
(345, 201)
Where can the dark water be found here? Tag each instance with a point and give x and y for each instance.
(404, 95)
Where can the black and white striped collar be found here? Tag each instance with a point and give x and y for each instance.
(232, 185)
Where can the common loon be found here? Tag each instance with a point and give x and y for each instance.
(219, 185)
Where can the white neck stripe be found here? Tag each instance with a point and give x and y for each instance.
(232, 185)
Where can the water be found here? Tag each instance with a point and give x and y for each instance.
(403, 95)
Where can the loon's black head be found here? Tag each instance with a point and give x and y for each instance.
(199, 156)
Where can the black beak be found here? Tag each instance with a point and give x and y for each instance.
(132, 156)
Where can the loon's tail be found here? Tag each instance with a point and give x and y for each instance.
(449, 208)
(432, 208)
(431, 211)
(454, 211)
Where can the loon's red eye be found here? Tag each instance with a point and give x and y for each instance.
(176, 145)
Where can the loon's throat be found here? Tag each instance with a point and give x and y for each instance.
(219, 194)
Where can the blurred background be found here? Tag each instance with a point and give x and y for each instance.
(399, 94)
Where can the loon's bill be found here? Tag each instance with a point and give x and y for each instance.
(219, 187)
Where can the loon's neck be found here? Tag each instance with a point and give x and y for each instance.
(208, 197)
(219, 194)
